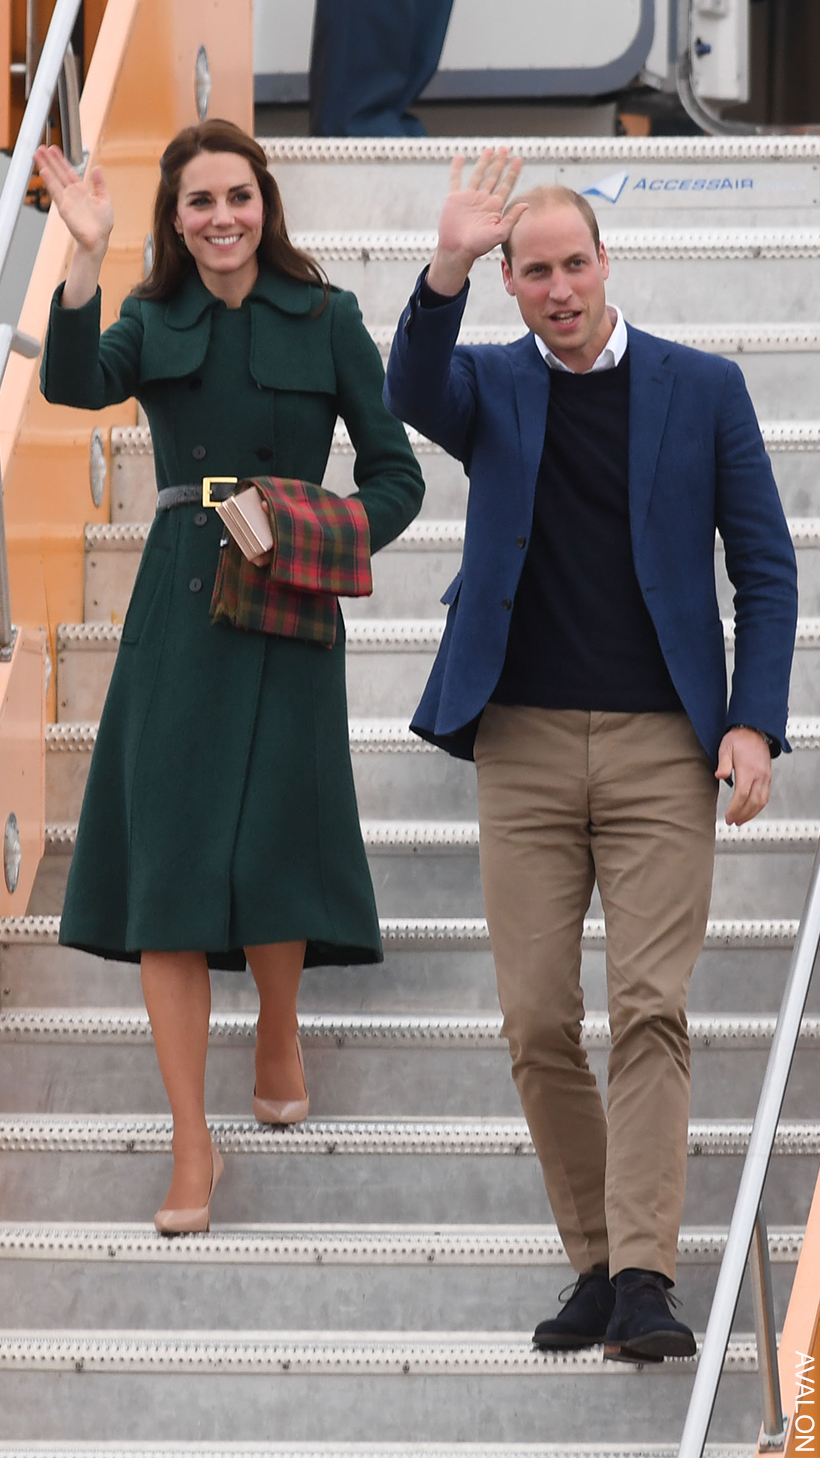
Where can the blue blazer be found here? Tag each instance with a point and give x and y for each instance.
(696, 463)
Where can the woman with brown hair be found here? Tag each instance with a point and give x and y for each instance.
(219, 822)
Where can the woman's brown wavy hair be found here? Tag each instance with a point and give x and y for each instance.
(172, 263)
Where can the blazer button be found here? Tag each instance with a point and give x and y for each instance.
(263, 453)
(199, 453)
(521, 541)
(201, 518)
(195, 584)
(505, 603)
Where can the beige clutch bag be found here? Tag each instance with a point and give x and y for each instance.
(248, 522)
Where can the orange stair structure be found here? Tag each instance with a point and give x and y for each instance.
(140, 88)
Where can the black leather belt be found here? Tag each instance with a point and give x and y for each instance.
(208, 492)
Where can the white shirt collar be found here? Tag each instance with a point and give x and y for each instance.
(610, 356)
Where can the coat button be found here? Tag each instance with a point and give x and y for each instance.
(521, 541)
(195, 584)
(199, 453)
(505, 603)
(195, 383)
(263, 453)
(201, 518)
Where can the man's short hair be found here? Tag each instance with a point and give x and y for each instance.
(542, 198)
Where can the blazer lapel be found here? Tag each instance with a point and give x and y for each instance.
(651, 380)
(531, 378)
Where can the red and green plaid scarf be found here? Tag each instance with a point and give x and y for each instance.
(321, 551)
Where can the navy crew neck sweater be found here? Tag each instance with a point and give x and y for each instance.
(581, 636)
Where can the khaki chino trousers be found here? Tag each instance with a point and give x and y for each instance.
(567, 798)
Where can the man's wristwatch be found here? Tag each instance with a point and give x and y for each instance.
(762, 732)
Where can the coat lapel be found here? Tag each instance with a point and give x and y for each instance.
(651, 379)
(531, 377)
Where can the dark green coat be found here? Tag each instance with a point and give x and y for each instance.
(220, 810)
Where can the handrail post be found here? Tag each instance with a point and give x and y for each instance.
(6, 625)
(68, 96)
(773, 1436)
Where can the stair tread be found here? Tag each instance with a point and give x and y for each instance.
(387, 634)
(376, 1353)
(445, 535)
(445, 1135)
(336, 1449)
(462, 933)
(462, 835)
(374, 735)
(780, 148)
(390, 245)
(779, 435)
(373, 1030)
(308, 1243)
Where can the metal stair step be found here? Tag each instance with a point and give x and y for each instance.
(487, 1137)
(378, 1170)
(385, 685)
(346, 1386)
(760, 869)
(95, 1061)
(793, 445)
(398, 774)
(340, 181)
(333, 1449)
(409, 576)
(656, 272)
(780, 362)
(367, 1278)
(431, 964)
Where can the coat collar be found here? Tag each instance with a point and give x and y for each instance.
(193, 299)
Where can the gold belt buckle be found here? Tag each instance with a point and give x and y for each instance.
(209, 481)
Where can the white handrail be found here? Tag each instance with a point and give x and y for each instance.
(50, 71)
(747, 1211)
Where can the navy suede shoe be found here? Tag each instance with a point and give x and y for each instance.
(642, 1328)
(583, 1321)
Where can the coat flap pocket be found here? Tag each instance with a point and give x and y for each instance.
(450, 595)
(291, 352)
(310, 375)
(169, 354)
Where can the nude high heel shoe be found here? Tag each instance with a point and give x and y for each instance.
(194, 1220)
(283, 1111)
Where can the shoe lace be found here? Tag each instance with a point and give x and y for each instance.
(652, 1283)
(575, 1286)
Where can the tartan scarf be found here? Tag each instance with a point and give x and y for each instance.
(321, 550)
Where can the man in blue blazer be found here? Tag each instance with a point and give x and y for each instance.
(582, 666)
